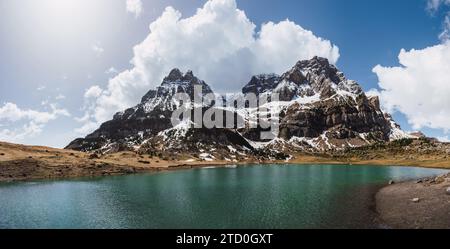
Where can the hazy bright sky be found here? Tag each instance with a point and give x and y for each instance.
(68, 65)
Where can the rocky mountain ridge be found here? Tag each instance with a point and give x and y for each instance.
(318, 108)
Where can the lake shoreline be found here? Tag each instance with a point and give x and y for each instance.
(20, 163)
(332, 197)
(98, 168)
(416, 204)
(23, 163)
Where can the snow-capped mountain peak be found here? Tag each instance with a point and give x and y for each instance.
(307, 78)
(318, 109)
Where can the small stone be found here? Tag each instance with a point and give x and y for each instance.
(93, 156)
(416, 200)
(439, 179)
(391, 182)
(448, 191)
(419, 181)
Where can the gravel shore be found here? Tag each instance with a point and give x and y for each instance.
(420, 204)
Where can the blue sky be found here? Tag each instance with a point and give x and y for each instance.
(51, 53)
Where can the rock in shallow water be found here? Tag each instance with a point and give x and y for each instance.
(448, 191)
(416, 200)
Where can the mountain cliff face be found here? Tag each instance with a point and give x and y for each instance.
(319, 109)
(147, 127)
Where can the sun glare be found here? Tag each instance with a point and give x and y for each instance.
(56, 16)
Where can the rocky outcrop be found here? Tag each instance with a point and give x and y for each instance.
(327, 109)
(306, 79)
(150, 122)
(342, 116)
(261, 83)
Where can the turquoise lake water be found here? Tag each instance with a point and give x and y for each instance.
(266, 196)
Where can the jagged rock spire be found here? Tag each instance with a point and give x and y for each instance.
(174, 75)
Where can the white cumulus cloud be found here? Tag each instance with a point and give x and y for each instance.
(33, 121)
(420, 87)
(27, 130)
(433, 5)
(111, 70)
(445, 35)
(93, 92)
(60, 97)
(135, 7)
(444, 139)
(98, 49)
(219, 43)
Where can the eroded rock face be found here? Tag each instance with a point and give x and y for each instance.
(261, 83)
(321, 103)
(153, 115)
(307, 78)
(178, 140)
(147, 127)
(341, 117)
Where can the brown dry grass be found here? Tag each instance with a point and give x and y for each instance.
(19, 162)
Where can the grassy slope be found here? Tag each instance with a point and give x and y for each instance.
(19, 162)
